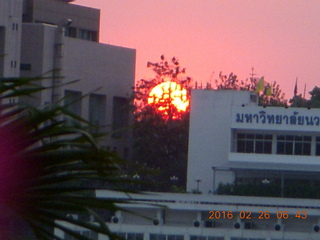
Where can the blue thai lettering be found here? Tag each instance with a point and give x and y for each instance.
(286, 118)
(270, 119)
(248, 118)
(309, 120)
(256, 116)
(239, 117)
(300, 120)
(293, 118)
(316, 120)
(263, 116)
(278, 119)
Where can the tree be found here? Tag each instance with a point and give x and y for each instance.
(161, 131)
(298, 101)
(166, 72)
(46, 165)
(270, 94)
(314, 101)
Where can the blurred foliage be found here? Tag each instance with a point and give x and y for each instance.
(49, 168)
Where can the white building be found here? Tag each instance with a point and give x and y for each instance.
(60, 42)
(10, 37)
(232, 139)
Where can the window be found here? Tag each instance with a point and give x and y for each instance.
(317, 146)
(97, 112)
(70, 32)
(73, 103)
(175, 237)
(134, 236)
(90, 234)
(120, 116)
(192, 237)
(254, 143)
(2, 49)
(198, 238)
(25, 66)
(293, 145)
(236, 238)
(158, 237)
(88, 35)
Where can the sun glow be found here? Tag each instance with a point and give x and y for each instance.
(166, 94)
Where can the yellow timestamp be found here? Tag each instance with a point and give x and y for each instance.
(257, 215)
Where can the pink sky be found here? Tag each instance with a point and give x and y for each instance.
(280, 39)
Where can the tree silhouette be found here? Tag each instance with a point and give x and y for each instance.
(161, 137)
(314, 101)
(270, 95)
(166, 71)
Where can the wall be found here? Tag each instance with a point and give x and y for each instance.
(37, 51)
(56, 12)
(10, 35)
(210, 134)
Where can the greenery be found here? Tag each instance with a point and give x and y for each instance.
(270, 94)
(49, 168)
(292, 189)
(313, 102)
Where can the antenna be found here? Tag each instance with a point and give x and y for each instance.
(252, 73)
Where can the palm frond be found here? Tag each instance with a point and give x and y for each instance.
(48, 167)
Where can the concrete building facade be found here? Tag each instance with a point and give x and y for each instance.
(10, 37)
(233, 140)
(60, 42)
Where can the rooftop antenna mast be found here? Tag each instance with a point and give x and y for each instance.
(252, 74)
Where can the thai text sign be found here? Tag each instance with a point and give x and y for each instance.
(276, 118)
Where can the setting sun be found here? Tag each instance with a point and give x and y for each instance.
(169, 93)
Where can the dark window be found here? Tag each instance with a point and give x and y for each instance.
(293, 145)
(134, 236)
(254, 143)
(175, 237)
(198, 238)
(158, 237)
(98, 112)
(317, 146)
(71, 32)
(88, 35)
(73, 104)
(25, 67)
(120, 121)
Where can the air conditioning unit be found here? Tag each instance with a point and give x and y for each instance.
(277, 227)
(73, 216)
(238, 225)
(316, 228)
(115, 219)
(196, 223)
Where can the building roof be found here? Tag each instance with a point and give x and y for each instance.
(269, 166)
